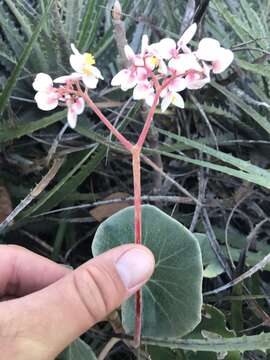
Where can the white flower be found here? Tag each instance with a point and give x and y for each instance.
(83, 65)
(144, 91)
(172, 97)
(167, 48)
(46, 96)
(75, 108)
(196, 80)
(185, 62)
(170, 94)
(210, 50)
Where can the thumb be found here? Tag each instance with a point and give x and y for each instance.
(50, 319)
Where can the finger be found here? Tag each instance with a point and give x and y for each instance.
(23, 272)
(58, 314)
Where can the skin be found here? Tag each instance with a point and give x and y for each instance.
(46, 306)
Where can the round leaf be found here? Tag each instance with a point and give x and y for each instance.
(172, 299)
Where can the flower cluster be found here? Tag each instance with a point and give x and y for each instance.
(49, 96)
(159, 72)
(168, 68)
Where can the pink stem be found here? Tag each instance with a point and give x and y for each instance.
(136, 164)
(114, 131)
(148, 120)
(135, 150)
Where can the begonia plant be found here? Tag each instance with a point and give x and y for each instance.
(158, 75)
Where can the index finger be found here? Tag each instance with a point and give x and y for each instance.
(23, 272)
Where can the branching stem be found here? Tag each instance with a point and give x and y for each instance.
(135, 151)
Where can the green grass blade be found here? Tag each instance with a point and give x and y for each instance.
(24, 57)
(257, 179)
(91, 22)
(70, 182)
(7, 134)
(259, 119)
(230, 159)
(258, 69)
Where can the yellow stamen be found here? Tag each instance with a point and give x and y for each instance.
(154, 60)
(89, 59)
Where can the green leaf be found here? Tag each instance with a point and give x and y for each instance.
(78, 350)
(172, 298)
(251, 172)
(158, 353)
(70, 182)
(243, 343)
(258, 118)
(24, 56)
(259, 69)
(91, 22)
(7, 134)
(240, 28)
(212, 267)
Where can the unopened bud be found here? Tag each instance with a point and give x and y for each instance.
(117, 11)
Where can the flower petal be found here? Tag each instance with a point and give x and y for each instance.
(178, 84)
(90, 81)
(79, 105)
(96, 72)
(185, 62)
(166, 48)
(46, 101)
(42, 82)
(141, 74)
(138, 60)
(77, 62)
(65, 78)
(187, 35)
(142, 91)
(72, 117)
(145, 42)
(178, 101)
(75, 50)
(195, 81)
(150, 99)
(224, 60)
(119, 77)
(208, 49)
(129, 52)
(165, 103)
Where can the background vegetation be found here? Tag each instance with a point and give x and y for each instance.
(215, 151)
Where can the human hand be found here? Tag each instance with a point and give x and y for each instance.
(46, 306)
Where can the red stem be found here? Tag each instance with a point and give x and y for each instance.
(149, 119)
(136, 165)
(135, 150)
(127, 144)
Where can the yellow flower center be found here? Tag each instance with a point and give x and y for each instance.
(154, 60)
(89, 59)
